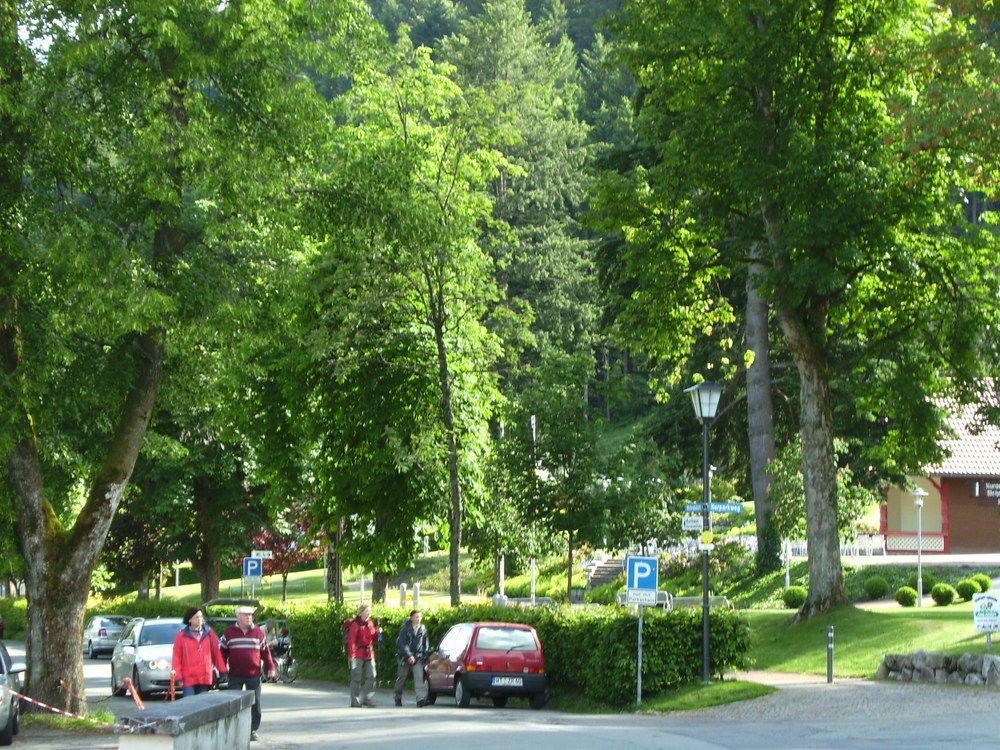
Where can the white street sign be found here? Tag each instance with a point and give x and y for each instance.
(640, 596)
(702, 547)
(692, 523)
(262, 554)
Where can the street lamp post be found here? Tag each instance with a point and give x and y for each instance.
(705, 399)
(918, 500)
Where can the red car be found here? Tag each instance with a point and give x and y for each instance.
(498, 659)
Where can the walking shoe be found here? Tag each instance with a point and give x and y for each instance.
(253, 736)
(421, 704)
(355, 705)
(369, 704)
(398, 701)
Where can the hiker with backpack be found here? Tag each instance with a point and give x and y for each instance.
(361, 638)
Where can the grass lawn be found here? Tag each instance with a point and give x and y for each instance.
(684, 698)
(861, 637)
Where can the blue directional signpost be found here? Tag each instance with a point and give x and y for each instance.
(253, 570)
(642, 578)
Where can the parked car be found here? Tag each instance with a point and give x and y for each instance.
(102, 633)
(145, 653)
(10, 710)
(494, 659)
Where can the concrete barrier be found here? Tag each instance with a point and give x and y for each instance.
(210, 721)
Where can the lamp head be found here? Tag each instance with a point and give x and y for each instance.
(705, 399)
(919, 494)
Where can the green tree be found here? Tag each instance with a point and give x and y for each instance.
(771, 126)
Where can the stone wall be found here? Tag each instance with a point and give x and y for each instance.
(964, 669)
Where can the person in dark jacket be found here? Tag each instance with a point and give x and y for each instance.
(412, 651)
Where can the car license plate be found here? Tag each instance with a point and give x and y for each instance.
(508, 682)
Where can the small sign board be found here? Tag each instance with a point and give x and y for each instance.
(692, 523)
(640, 596)
(705, 546)
(714, 507)
(986, 612)
(262, 554)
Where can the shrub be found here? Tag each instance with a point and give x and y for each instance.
(966, 588)
(606, 593)
(794, 596)
(15, 617)
(984, 581)
(587, 649)
(876, 587)
(930, 580)
(906, 596)
(943, 594)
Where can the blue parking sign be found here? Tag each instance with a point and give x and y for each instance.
(253, 567)
(642, 573)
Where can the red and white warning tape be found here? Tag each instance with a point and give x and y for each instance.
(118, 727)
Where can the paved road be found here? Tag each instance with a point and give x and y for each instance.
(802, 714)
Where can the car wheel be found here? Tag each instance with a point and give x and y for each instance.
(538, 700)
(7, 733)
(462, 695)
(135, 681)
(499, 701)
(90, 650)
(116, 689)
(17, 717)
(431, 697)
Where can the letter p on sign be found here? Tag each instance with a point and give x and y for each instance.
(643, 573)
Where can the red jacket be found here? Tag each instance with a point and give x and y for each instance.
(245, 652)
(360, 638)
(194, 657)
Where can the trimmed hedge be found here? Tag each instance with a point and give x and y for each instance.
(906, 596)
(588, 649)
(966, 588)
(794, 596)
(943, 594)
(15, 617)
(929, 581)
(984, 581)
(876, 587)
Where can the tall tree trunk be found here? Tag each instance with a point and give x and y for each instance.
(380, 582)
(819, 468)
(284, 585)
(143, 592)
(159, 582)
(447, 409)
(334, 567)
(760, 419)
(207, 563)
(569, 566)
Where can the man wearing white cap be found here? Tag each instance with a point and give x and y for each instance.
(244, 647)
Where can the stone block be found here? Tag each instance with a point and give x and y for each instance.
(894, 675)
(918, 661)
(971, 663)
(935, 661)
(991, 662)
(882, 672)
(940, 676)
(955, 678)
(974, 679)
(923, 675)
(906, 674)
(892, 661)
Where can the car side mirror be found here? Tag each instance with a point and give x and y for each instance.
(128, 642)
(17, 668)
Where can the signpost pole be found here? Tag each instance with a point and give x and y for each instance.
(706, 526)
(638, 671)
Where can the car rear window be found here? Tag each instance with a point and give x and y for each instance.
(505, 639)
(159, 633)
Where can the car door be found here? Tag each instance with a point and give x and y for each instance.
(88, 632)
(10, 680)
(123, 657)
(453, 656)
(439, 663)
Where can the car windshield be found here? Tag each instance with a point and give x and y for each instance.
(159, 633)
(505, 639)
(117, 621)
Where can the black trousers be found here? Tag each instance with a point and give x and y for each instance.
(238, 682)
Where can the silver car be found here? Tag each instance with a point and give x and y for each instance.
(145, 653)
(10, 715)
(102, 633)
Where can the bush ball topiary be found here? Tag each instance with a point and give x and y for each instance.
(794, 596)
(984, 581)
(966, 588)
(930, 580)
(876, 587)
(906, 596)
(943, 594)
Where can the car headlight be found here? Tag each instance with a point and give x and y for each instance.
(158, 664)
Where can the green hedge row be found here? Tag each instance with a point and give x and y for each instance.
(588, 649)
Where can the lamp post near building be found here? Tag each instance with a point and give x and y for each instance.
(705, 399)
(918, 500)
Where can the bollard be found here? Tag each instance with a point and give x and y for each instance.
(829, 656)
(402, 595)
(416, 595)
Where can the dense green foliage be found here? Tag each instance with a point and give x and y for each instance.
(966, 588)
(984, 581)
(943, 594)
(876, 587)
(794, 596)
(906, 596)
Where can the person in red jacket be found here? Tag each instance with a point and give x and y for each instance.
(244, 647)
(361, 638)
(196, 654)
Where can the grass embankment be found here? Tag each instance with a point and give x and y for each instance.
(683, 698)
(861, 637)
(53, 721)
